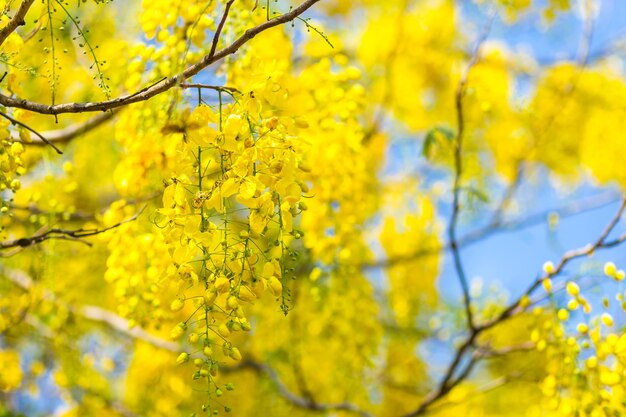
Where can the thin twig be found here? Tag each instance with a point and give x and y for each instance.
(33, 209)
(569, 256)
(300, 401)
(210, 87)
(30, 129)
(508, 196)
(63, 234)
(220, 26)
(449, 380)
(587, 33)
(458, 173)
(489, 386)
(569, 210)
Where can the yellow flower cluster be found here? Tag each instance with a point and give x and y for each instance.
(228, 219)
(586, 358)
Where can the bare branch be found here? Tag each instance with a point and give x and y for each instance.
(93, 313)
(505, 202)
(33, 209)
(70, 132)
(17, 20)
(569, 210)
(166, 84)
(121, 326)
(220, 26)
(569, 256)
(30, 129)
(458, 172)
(443, 388)
(210, 87)
(449, 380)
(300, 401)
(63, 234)
(488, 352)
(489, 386)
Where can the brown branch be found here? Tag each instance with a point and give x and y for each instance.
(163, 86)
(458, 172)
(91, 313)
(220, 26)
(489, 386)
(297, 400)
(70, 132)
(443, 389)
(121, 326)
(84, 215)
(17, 20)
(210, 87)
(488, 352)
(78, 396)
(449, 380)
(30, 129)
(388, 77)
(600, 243)
(63, 234)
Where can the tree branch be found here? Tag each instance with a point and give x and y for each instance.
(505, 202)
(93, 313)
(573, 209)
(210, 87)
(121, 326)
(166, 84)
(300, 401)
(458, 172)
(220, 26)
(33, 209)
(17, 20)
(70, 132)
(600, 243)
(63, 234)
(448, 381)
(587, 33)
(30, 129)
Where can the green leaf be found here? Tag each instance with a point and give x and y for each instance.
(477, 194)
(435, 137)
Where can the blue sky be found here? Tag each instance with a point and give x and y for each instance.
(514, 259)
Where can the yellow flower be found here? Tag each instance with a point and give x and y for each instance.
(548, 268)
(607, 319)
(177, 304)
(275, 286)
(610, 269)
(572, 289)
(10, 370)
(182, 358)
(547, 285)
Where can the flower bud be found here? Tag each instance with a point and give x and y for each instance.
(182, 358)
(548, 268)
